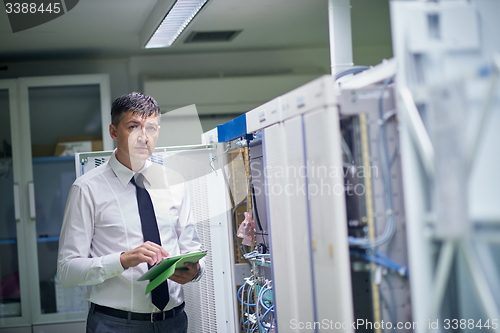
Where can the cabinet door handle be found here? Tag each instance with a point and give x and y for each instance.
(17, 205)
(31, 188)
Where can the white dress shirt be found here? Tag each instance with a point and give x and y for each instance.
(102, 220)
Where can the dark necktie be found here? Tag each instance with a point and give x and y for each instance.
(150, 232)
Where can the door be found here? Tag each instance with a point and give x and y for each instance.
(55, 109)
(14, 293)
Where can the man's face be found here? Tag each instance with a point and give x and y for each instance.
(136, 139)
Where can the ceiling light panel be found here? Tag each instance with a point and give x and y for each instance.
(174, 23)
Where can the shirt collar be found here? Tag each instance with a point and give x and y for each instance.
(123, 173)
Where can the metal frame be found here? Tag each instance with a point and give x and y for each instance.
(420, 65)
(363, 102)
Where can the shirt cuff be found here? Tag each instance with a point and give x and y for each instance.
(112, 264)
(199, 275)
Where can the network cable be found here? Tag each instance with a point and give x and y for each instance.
(352, 70)
(269, 309)
(261, 321)
(254, 205)
(247, 308)
(381, 260)
(241, 291)
(261, 297)
(252, 302)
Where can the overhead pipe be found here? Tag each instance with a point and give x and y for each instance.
(339, 21)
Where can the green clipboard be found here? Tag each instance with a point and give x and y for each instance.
(165, 268)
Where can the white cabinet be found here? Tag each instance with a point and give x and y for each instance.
(35, 112)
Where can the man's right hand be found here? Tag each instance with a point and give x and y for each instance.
(147, 252)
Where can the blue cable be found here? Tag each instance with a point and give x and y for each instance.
(239, 298)
(383, 261)
(403, 270)
(261, 297)
(248, 329)
(271, 309)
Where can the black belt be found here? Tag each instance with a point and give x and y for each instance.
(154, 316)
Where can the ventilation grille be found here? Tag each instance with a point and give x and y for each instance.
(99, 161)
(199, 296)
(211, 36)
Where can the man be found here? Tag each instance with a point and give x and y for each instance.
(106, 237)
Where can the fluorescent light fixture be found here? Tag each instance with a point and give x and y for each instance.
(175, 22)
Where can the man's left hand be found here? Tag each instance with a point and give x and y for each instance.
(183, 276)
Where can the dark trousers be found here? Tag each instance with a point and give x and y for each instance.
(101, 323)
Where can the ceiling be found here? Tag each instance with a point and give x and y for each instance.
(112, 28)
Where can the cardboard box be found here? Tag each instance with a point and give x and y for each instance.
(69, 145)
(42, 150)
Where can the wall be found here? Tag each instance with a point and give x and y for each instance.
(250, 63)
(371, 32)
(128, 74)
